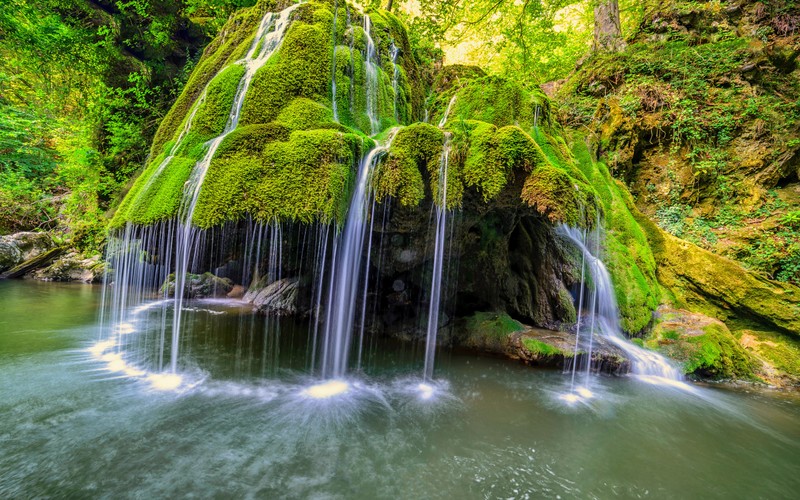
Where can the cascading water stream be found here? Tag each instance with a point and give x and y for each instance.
(266, 41)
(438, 262)
(443, 121)
(604, 316)
(395, 51)
(334, 104)
(345, 280)
(371, 66)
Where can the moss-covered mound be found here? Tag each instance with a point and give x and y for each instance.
(495, 132)
(302, 124)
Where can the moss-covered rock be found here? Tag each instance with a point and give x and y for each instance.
(701, 281)
(704, 345)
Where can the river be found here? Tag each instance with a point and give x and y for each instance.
(243, 427)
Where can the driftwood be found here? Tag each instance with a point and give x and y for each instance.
(33, 264)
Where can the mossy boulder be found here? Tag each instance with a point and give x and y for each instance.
(198, 286)
(704, 345)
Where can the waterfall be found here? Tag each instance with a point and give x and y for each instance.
(346, 277)
(395, 51)
(440, 206)
(603, 313)
(266, 41)
(371, 67)
(443, 121)
(333, 65)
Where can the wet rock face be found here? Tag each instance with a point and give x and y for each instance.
(497, 257)
(10, 255)
(498, 333)
(279, 298)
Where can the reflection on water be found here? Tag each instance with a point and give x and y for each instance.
(246, 420)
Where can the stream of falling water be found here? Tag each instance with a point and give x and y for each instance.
(603, 318)
(371, 67)
(267, 40)
(438, 263)
(395, 51)
(346, 278)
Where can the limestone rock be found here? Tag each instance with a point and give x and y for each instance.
(20, 247)
(10, 254)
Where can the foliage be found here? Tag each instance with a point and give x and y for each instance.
(81, 90)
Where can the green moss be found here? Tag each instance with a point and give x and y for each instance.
(214, 112)
(717, 354)
(156, 196)
(628, 255)
(489, 330)
(305, 178)
(778, 350)
(495, 100)
(415, 148)
(304, 114)
(542, 349)
(230, 45)
(300, 68)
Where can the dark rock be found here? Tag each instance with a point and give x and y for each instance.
(200, 286)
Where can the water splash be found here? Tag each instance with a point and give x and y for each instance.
(604, 315)
(267, 40)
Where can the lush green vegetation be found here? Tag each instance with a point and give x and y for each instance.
(83, 86)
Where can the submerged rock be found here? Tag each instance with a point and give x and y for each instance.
(200, 286)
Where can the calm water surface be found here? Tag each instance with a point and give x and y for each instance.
(241, 428)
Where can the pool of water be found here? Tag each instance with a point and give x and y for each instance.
(243, 423)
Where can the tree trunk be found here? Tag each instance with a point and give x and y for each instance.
(389, 7)
(607, 32)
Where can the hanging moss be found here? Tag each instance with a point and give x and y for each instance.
(231, 44)
(214, 112)
(495, 100)
(155, 197)
(415, 147)
(300, 68)
(304, 114)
